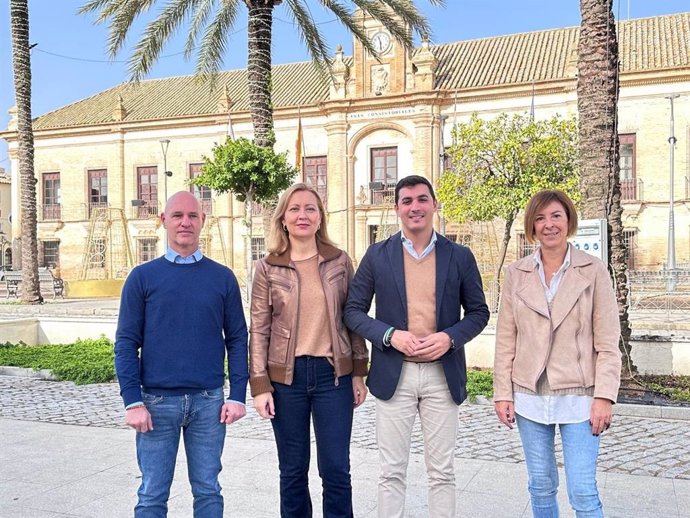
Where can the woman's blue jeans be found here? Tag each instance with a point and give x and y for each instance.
(315, 393)
(580, 451)
(197, 418)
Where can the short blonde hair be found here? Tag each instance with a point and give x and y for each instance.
(278, 238)
(541, 200)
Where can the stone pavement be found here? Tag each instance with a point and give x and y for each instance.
(66, 453)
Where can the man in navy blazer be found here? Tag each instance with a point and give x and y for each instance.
(429, 304)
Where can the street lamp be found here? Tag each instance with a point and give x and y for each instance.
(3, 242)
(671, 253)
(164, 148)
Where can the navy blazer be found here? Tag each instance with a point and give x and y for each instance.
(458, 285)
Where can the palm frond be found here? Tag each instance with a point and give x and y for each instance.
(347, 19)
(410, 15)
(156, 35)
(310, 35)
(380, 11)
(214, 42)
(121, 19)
(106, 7)
(201, 15)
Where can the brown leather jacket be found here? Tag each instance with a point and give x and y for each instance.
(274, 317)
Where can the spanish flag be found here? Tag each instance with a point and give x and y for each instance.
(298, 144)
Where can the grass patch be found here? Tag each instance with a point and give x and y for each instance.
(676, 388)
(83, 362)
(480, 383)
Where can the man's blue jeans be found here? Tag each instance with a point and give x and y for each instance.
(314, 393)
(580, 451)
(197, 417)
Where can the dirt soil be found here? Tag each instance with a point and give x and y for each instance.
(639, 393)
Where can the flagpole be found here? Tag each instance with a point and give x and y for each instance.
(531, 108)
(299, 145)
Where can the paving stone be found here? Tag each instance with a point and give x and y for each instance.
(634, 445)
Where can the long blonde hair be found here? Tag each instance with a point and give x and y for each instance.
(278, 239)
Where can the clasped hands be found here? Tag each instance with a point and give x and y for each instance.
(427, 348)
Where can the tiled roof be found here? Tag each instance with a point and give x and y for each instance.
(655, 43)
(294, 84)
(646, 44)
(517, 58)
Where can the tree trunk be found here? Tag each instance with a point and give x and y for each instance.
(496, 284)
(597, 98)
(248, 259)
(259, 70)
(21, 60)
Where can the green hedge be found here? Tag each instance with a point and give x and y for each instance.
(83, 362)
(480, 383)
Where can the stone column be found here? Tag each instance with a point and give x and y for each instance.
(340, 203)
(425, 142)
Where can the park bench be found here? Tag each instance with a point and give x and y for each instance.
(47, 282)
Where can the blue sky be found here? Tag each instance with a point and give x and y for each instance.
(69, 62)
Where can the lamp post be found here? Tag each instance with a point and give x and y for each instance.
(164, 148)
(442, 165)
(671, 253)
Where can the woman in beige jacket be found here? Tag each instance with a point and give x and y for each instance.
(304, 363)
(557, 358)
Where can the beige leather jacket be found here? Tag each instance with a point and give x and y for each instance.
(274, 317)
(577, 342)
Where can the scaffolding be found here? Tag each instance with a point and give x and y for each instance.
(385, 228)
(211, 241)
(107, 251)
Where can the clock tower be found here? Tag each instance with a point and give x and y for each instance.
(383, 76)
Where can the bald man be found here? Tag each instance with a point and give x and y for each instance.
(180, 314)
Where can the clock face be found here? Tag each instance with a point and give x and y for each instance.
(381, 41)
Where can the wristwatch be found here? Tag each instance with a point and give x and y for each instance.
(388, 337)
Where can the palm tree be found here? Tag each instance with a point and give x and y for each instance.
(21, 61)
(211, 22)
(597, 99)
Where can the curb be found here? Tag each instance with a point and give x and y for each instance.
(677, 413)
(25, 372)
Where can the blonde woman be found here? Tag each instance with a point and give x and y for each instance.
(304, 364)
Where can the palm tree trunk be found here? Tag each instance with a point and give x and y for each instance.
(597, 98)
(21, 60)
(259, 70)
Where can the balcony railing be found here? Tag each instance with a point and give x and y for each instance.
(381, 193)
(146, 211)
(52, 211)
(207, 206)
(96, 205)
(628, 189)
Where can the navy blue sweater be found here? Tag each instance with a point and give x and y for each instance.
(176, 322)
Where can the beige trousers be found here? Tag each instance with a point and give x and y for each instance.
(422, 388)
